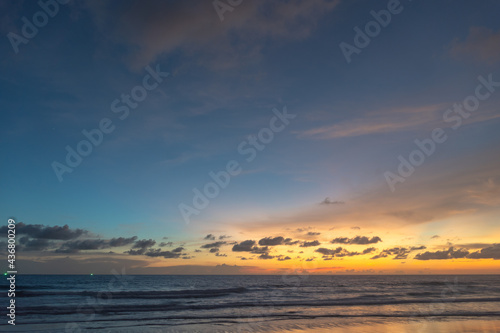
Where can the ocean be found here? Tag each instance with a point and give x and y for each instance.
(159, 303)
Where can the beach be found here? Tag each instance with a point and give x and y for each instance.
(274, 303)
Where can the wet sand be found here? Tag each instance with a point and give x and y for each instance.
(348, 326)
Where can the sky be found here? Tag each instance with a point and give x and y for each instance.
(251, 137)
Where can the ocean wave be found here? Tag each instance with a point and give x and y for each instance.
(123, 308)
(157, 294)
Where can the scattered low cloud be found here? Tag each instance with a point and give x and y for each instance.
(451, 253)
(94, 244)
(328, 201)
(272, 241)
(491, 252)
(174, 254)
(399, 253)
(360, 240)
(212, 245)
(310, 244)
(245, 246)
(41, 231)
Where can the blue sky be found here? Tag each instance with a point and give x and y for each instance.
(352, 120)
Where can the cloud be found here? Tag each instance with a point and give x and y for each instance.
(328, 252)
(179, 249)
(45, 232)
(339, 252)
(142, 246)
(174, 254)
(124, 268)
(469, 246)
(245, 246)
(455, 195)
(491, 252)
(168, 244)
(379, 256)
(266, 256)
(272, 241)
(485, 193)
(310, 244)
(94, 244)
(153, 28)
(221, 237)
(212, 245)
(214, 250)
(399, 253)
(209, 237)
(360, 240)
(35, 244)
(377, 122)
(143, 243)
(435, 236)
(327, 201)
(288, 241)
(63, 239)
(482, 45)
(259, 250)
(369, 250)
(451, 253)
(311, 233)
(281, 258)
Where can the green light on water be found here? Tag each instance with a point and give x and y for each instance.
(91, 274)
(4, 273)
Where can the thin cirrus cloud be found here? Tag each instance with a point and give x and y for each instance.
(481, 45)
(384, 121)
(460, 191)
(157, 27)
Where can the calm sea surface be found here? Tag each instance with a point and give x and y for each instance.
(135, 303)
